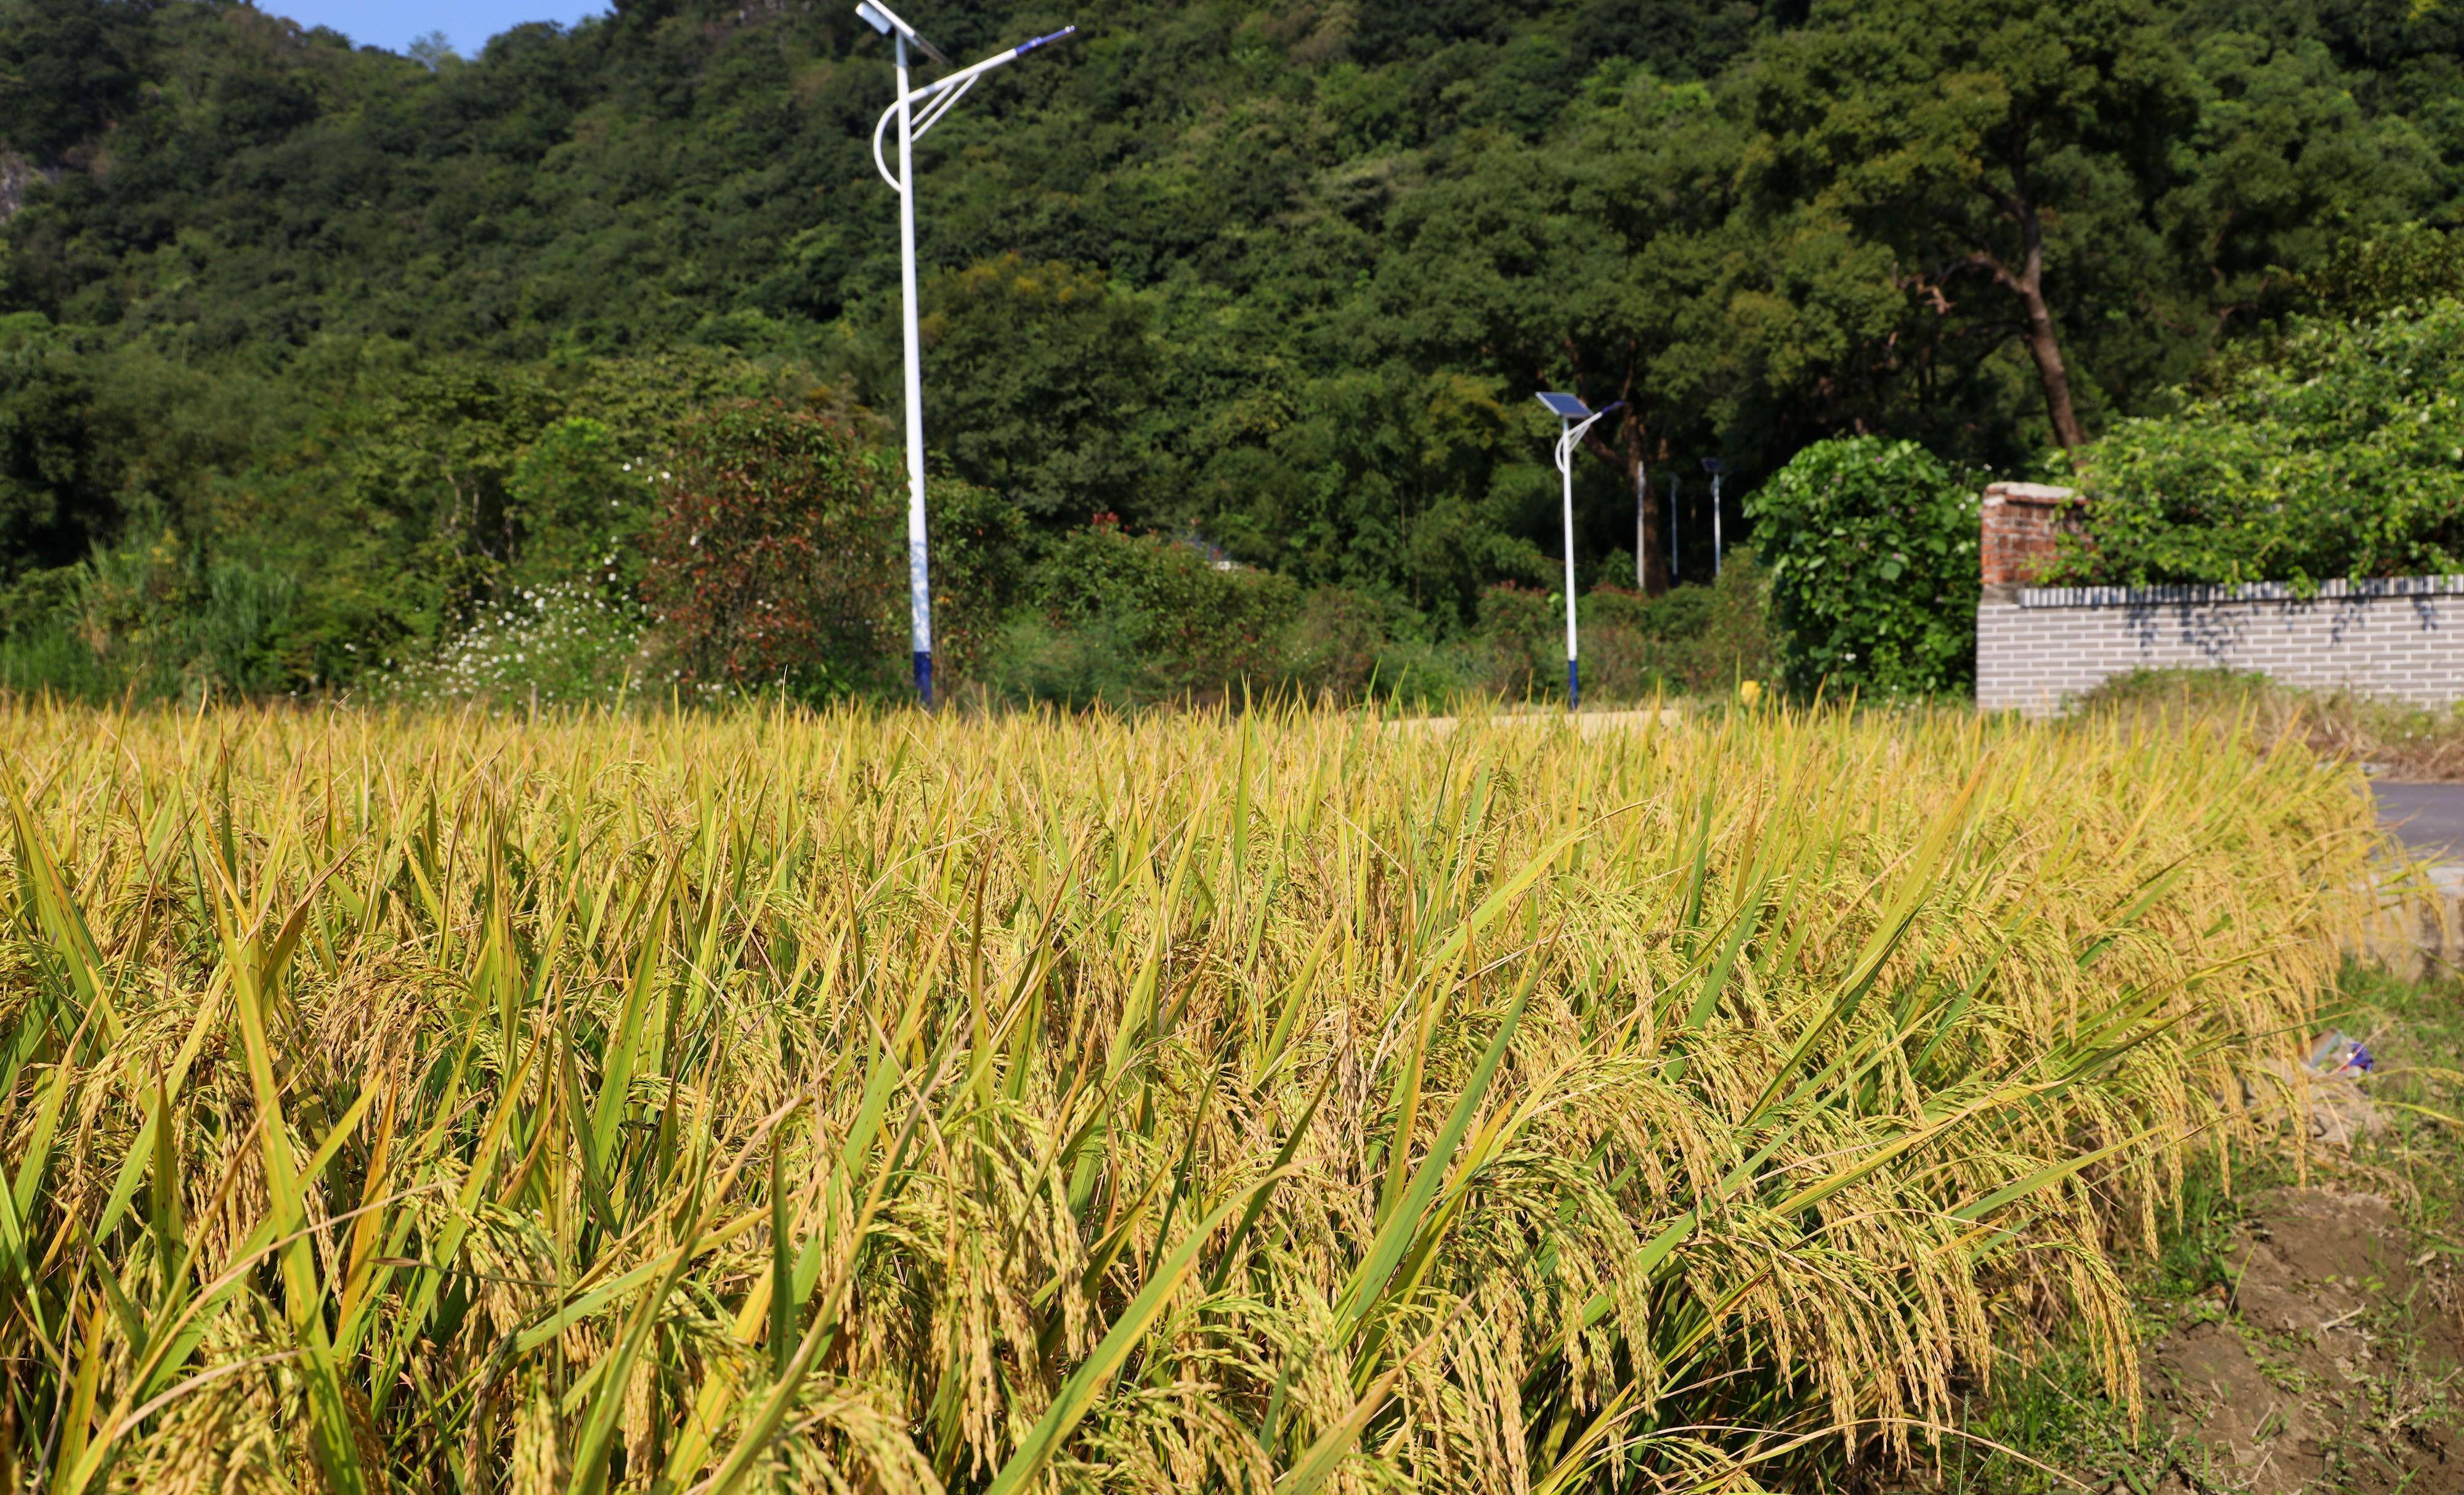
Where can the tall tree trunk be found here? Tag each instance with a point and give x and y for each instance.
(1642, 518)
(2044, 345)
(2043, 341)
(1649, 534)
(1626, 456)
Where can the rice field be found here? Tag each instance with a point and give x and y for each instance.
(891, 1104)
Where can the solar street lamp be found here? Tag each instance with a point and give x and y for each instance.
(917, 111)
(1712, 465)
(1573, 418)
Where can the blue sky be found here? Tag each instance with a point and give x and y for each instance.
(467, 23)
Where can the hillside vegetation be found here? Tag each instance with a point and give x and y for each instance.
(312, 357)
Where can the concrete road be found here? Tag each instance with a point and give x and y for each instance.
(2429, 818)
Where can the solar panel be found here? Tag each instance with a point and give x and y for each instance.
(1565, 407)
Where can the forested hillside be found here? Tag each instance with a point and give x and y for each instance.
(314, 355)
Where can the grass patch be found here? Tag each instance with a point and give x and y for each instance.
(2408, 742)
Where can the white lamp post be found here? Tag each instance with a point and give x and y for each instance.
(1573, 418)
(1714, 467)
(936, 99)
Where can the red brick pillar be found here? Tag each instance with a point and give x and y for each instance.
(2024, 523)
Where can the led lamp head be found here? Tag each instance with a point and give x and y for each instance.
(884, 20)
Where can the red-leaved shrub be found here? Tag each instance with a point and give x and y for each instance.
(775, 559)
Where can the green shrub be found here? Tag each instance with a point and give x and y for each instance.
(153, 621)
(2401, 269)
(577, 506)
(45, 658)
(1871, 546)
(1690, 640)
(978, 564)
(1126, 620)
(1095, 661)
(236, 627)
(1519, 642)
(2339, 454)
(1336, 642)
(39, 649)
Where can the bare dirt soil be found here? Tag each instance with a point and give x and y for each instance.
(2301, 1324)
(2334, 1362)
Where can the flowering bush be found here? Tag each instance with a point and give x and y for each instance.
(564, 645)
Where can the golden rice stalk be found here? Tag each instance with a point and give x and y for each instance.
(875, 1100)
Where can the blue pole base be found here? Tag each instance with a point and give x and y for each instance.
(1573, 686)
(924, 678)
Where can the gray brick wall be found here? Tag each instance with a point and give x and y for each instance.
(2401, 637)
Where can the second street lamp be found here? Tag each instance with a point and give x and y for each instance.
(935, 99)
(1573, 418)
(1715, 467)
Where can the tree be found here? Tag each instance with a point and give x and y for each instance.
(431, 462)
(575, 508)
(1872, 550)
(66, 73)
(2280, 168)
(1042, 384)
(2338, 453)
(2411, 266)
(1594, 264)
(1402, 482)
(58, 457)
(1965, 135)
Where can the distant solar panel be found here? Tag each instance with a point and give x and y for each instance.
(1566, 407)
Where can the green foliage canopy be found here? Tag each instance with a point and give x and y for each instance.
(1280, 278)
(2340, 453)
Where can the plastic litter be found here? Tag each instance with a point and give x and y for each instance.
(2340, 1054)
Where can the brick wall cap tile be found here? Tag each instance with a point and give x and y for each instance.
(2385, 586)
(2030, 492)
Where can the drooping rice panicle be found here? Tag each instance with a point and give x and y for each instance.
(1286, 1102)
